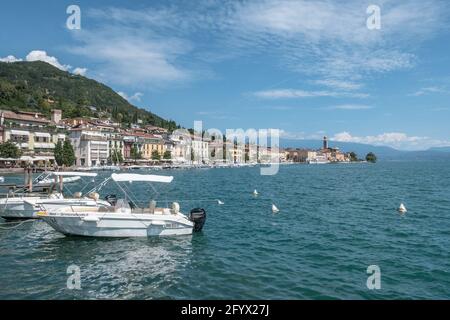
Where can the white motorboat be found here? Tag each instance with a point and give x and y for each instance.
(54, 180)
(120, 220)
(26, 205)
(2, 179)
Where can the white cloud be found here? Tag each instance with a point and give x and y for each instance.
(339, 84)
(80, 71)
(10, 59)
(330, 38)
(134, 57)
(296, 93)
(396, 140)
(351, 107)
(135, 97)
(428, 90)
(39, 55)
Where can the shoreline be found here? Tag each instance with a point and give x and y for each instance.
(5, 171)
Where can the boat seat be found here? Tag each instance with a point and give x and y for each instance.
(149, 211)
(105, 209)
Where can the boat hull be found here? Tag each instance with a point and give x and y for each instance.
(17, 210)
(118, 225)
(28, 208)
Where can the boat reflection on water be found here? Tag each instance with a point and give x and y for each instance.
(131, 268)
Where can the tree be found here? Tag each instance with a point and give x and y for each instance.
(167, 155)
(353, 157)
(371, 157)
(135, 118)
(9, 150)
(115, 156)
(68, 154)
(156, 155)
(58, 151)
(135, 154)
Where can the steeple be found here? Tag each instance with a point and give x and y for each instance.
(325, 142)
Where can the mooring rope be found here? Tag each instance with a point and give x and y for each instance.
(13, 227)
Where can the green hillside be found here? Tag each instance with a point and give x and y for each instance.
(38, 86)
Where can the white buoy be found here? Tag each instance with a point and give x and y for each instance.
(220, 202)
(275, 209)
(255, 193)
(402, 208)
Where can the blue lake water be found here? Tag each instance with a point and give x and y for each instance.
(334, 221)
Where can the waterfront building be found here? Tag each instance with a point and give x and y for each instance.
(128, 142)
(77, 122)
(229, 154)
(168, 145)
(91, 146)
(181, 148)
(200, 150)
(236, 152)
(268, 154)
(152, 143)
(35, 135)
(23, 119)
(333, 154)
(156, 130)
(251, 153)
(305, 155)
(116, 146)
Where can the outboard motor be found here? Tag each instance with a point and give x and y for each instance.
(112, 199)
(198, 217)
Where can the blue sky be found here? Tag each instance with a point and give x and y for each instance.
(308, 68)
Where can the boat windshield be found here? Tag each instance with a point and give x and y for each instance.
(122, 206)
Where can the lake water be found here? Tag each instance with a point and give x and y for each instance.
(334, 221)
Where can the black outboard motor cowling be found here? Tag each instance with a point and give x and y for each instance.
(112, 199)
(198, 217)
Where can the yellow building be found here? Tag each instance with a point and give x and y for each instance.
(150, 144)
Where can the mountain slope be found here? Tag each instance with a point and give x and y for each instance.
(39, 86)
(440, 149)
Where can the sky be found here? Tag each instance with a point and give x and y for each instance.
(308, 68)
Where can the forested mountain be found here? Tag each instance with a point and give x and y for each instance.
(39, 86)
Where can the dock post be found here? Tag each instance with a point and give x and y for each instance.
(30, 179)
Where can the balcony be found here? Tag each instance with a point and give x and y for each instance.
(44, 145)
(86, 137)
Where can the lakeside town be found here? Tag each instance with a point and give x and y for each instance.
(94, 143)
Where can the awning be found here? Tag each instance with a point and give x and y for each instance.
(20, 133)
(75, 174)
(42, 134)
(140, 177)
(43, 158)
